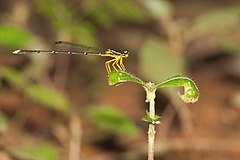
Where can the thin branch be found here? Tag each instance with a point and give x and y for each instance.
(175, 39)
(75, 139)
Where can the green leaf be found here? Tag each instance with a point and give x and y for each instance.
(216, 21)
(109, 11)
(3, 122)
(148, 119)
(12, 75)
(44, 95)
(112, 120)
(230, 44)
(147, 113)
(157, 62)
(123, 9)
(58, 12)
(157, 116)
(191, 92)
(116, 78)
(87, 32)
(47, 96)
(65, 22)
(13, 37)
(158, 8)
(41, 152)
(97, 11)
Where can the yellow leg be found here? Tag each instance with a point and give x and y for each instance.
(113, 64)
(120, 68)
(117, 64)
(108, 68)
(122, 65)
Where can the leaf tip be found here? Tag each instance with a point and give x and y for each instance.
(191, 93)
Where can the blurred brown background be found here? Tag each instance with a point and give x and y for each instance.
(61, 107)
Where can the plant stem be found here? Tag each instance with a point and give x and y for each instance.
(151, 130)
(75, 139)
(151, 137)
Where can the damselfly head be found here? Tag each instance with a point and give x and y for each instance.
(125, 53)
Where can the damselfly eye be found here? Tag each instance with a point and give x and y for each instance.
(126, 52)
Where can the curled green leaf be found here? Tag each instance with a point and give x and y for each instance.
(116, 78)
(191, 92)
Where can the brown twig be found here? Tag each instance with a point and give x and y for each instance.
(75, 138)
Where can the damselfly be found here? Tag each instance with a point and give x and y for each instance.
(72, 48)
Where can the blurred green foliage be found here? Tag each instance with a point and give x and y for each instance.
(157, 61)
(111, 120)
(13, 37)
(159, 8)
(108, 11)
(46, 96)
(3, 122)
(65, 18)
(218, 21)
(62, 19)
(231, 44)
(40, 152)
(223, 23)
